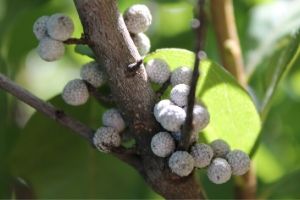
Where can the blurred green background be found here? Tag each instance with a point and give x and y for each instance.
(34, 157)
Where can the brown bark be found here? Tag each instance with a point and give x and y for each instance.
(108, 37)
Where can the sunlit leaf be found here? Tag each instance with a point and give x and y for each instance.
(233, 114)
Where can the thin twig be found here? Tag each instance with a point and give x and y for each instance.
(126, 155)
(71, 41)
(108, 99)
(199, 26)
(163, 88)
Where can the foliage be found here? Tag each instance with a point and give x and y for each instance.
(56, 163)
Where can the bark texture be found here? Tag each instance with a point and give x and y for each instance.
(110, 40)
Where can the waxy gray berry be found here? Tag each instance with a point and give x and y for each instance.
(239, 162)
(142, 43)
(162, 144)
(39, 27)
(158, 71)
(201, 118)
(181, 163)
(75, 93)
(221, 148)
(137, 18)
(113, 118)
(159, 106)
(172, 118)
(50, 50)
(106, 138)
(181, 75)
(202, 154)
(93, 74)
(219, 171)
(179, 94)
(60, 27)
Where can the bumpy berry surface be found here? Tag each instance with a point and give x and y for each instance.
(181, 163)
(50, 50)
(172, 118)
(239, 162)
(201, 118)
(179, 94)
(219, 171)
(60, 27)
(158, 71)
(75, 93)
(142, 43)
(162, 144)
(137, 18)
(39, 27)
(202, 154)
(181, 75)
(221, 148)
(105, 138)
(93, 74)
(159, 106)
(113, 118)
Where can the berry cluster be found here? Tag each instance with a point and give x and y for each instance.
(221, 163)
(52, 31)
(76, 91)
(108, 137)
(138, 19)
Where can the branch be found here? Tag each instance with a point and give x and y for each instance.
(59, 116)
(46, 108)
(199, 26)
(229, 45)
(81, 40)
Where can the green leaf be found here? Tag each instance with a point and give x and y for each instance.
(287, 59)
(84, 50)
(60, 164)
(233, 114)
(284, 188)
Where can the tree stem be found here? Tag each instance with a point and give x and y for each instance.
(228, 41)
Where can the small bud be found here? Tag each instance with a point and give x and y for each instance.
(221, 148)
(39, 27)
(181, 75)
(239, 162)
(162, 144)
(172, 118)
(113, 118)
(219, 171)
(92, 73)
(60, 27)
(105, 138)
(179, 94)
(138, 18)
(158, 71)
(202, 154)
(75, 93)
(142, 43)
(50, 50)
(159, 106)
(181, 163)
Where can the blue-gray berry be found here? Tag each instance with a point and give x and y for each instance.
(172, 118)
(219, 171)
(158, 71)
(162, 144)
(239, 162)
(60, 27)
(221, 148)
(159, 106)
(75, 93)
(179, 94)
(202, 154)
(93, 74)
(39, 27)
(142, 43)
(50, 50)
(181, 75)
(106, 138)
(113, 118)
(181, 163)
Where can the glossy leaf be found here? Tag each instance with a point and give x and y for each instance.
(233, 114)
